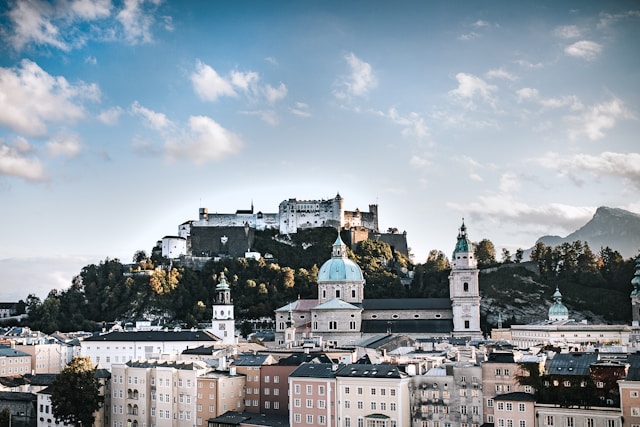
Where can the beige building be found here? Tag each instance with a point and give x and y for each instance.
(312, 396)
(630, 392)
(551, 415)
(515, 410)
(14, 362)
(217, 393)
(155, 393)
(368, 395)
(47, 358)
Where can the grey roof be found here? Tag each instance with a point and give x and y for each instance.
(250, 359)
(12, 352)
(315, 370)
(407, 304)
(370, 371)
(17, 396)
(500, 357)
(413, 326)
(175, 364)
(336, 304)
(299, 358)
(233, 418)
(197, 335)
(571, 363)
(517, 396)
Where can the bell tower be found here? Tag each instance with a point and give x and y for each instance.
(223, 323)
(464, 289)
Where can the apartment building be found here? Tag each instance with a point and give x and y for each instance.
(368, 394)
(250, 366)
(450, 394)
(500, 374)
(155, 393)
(14, 362)
(515, 409)
(630, 392)
(313, 395)
(217, 393)
(47, 357)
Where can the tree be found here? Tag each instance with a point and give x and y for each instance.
(519, 255)
(436, 261)
(485, 253)
(506, 256)
(75, 393)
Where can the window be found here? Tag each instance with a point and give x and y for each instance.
(635, 411)
(347, 421)
(372, 391)
(322, 419)
(548, 421)
(266, 405)
(633, 393)
(360, 391)
(347, 404)
(490, 403)
(276, 405)
(570, 422)
(509, 406)
(373, 406)
(321, 404)
(392, 406)
(296, 388)
(309, 389)
(611, 423)
(383, 406)
(522, 423)
(360, 404)
(276, 378)
(521, 407)
(297, 418)
(346, 390)
(466, 324)
(309, 403)
(309, 419)
(296, 403)
(500, 406)
(393, 392)
(589, 422)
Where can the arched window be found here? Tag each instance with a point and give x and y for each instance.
(465, 286)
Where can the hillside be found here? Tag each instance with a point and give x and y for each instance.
(616, 228)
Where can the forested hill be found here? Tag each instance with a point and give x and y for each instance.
(595, 284)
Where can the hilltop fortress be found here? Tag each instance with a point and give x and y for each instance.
(232, 234)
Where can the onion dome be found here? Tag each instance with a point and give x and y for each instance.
(558, 311)
(340, 268)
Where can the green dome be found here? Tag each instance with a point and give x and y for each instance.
(558, 310)
(340, 268)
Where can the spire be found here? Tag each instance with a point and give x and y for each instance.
(339, 249)
(463, 244)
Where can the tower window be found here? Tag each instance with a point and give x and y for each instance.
(337, 293)
(465, 286)
(353, 293)
(466, 324)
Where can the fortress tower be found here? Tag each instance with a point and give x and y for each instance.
(464, 289)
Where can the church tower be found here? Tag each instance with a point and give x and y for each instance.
(464, 289)
(223, 323)
(635, 296)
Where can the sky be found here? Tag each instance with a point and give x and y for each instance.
(120, 119)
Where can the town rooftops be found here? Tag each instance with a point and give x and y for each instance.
(251, 360)
(299, 358)
(571, 363)
(315, 370)
(233, 418)
(370, 371)
(407, 304)
(175, 364)
(190, 335)
(12, 352)
(516, 396)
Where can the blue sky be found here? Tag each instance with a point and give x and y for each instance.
(119, 119)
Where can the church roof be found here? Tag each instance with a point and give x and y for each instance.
(407, 326)
(336, 304)
(463, 244)
(340, 268)
(299, 305)
(407, 304)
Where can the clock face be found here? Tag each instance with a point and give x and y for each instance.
(222, 327)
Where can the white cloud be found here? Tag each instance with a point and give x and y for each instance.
(301, 109)
(622, 165)
(64, 145)
(274, 94)
(471, 87)
(359, 82)
(154, 120)
(567, 32)
(110, 116)
(205, 141)
(208, 84)
(31, 97)
(606, 19)
(584, 49)
(509, 183)
(413, 125)
(502, 207)
(533, 95)
(480, 23)
(468, 36)
(16, 161)
(593, 122)
(50, 23)
(475, 177)
(419, 162)
(500, 73)
(527, 64)
(527, 93)
(136, 21)
(245, 81)
(91, 60)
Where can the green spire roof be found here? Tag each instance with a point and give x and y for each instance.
(463, 244)
(222, 284)
(636, 278)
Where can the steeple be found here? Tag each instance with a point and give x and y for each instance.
(339, 249)
(223, 323)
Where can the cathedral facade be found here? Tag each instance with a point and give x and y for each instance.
(343, 316)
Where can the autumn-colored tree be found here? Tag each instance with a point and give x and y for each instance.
(75, 393)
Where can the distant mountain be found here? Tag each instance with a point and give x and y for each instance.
(617, 228)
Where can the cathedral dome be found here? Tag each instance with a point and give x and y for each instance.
(558, 311)
(340, 268)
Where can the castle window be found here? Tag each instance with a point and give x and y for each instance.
(333, 325)
(395, 316)
(353, 293)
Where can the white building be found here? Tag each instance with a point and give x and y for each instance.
(121, 347)
(223, 322)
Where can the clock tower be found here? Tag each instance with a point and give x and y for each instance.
(223, 323)
(464, 289)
